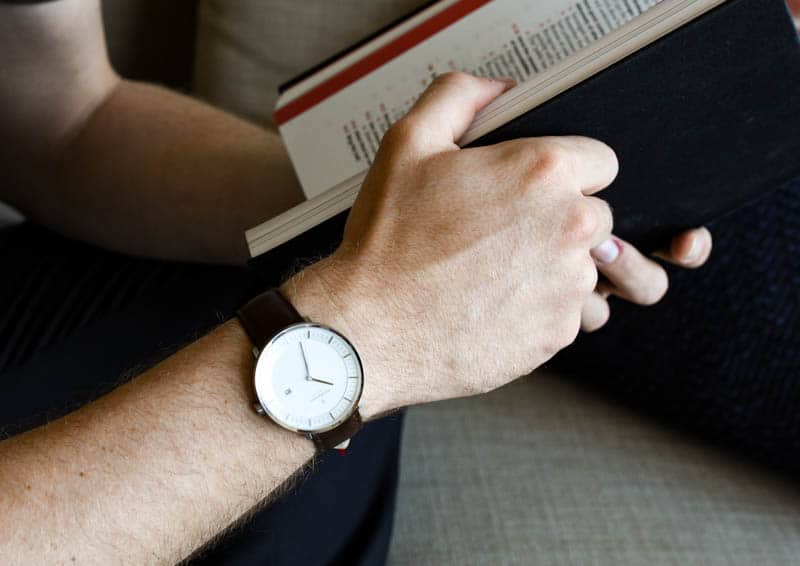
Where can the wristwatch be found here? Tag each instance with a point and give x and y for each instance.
(308, 377)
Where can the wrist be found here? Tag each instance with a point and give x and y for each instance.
(321, 294)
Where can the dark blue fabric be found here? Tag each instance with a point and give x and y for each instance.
(76, 322)
(720, 355)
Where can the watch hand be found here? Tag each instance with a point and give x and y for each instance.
(305, 363)
(320, 381)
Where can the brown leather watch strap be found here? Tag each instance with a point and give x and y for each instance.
(345, 431)
(266, 315)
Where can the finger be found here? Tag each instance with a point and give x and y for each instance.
(446, 109)
(632, 276)
(589, 162)
(689, 249)
(595, 313)
(599, 222)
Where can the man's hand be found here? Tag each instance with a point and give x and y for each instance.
(462, 269)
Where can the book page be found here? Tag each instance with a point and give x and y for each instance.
(332, 122)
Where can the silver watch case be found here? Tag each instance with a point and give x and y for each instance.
(263, 410)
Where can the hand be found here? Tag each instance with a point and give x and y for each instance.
(633, 277)
(462, 269)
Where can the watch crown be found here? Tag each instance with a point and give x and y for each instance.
(259, 409)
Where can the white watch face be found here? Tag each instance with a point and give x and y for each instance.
(309, 378)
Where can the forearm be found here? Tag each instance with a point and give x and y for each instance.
(160, 466)
(149, 472)
(153, 172)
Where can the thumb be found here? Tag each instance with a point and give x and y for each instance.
(447, 107)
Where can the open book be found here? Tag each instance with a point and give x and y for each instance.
(332, 119)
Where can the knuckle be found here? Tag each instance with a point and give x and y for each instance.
(400, 134)
(604, 156)
(609, 157)
(550, 160)
(539, 163)
(596, 323)
(517, 152)
(581, 221)
(596, 318)
(603, 319)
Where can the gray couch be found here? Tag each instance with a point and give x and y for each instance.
(540, 472)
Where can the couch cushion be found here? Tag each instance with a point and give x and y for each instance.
(544, 472)
(247, 48)
(152, 41)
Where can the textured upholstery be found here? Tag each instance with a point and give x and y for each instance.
(152, 41)
(247, 48)
(541, 472)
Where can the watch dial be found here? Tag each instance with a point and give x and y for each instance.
(309, 378)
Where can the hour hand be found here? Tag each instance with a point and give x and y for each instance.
(320, 381)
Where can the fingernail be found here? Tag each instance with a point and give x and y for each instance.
(694, 251)
(607, 252)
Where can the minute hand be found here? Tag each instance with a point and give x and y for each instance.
(305, 363)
